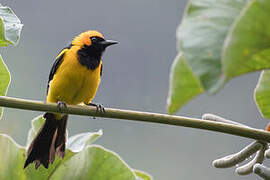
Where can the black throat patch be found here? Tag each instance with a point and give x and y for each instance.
(90, 56)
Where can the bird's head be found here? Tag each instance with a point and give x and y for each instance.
(92, 39)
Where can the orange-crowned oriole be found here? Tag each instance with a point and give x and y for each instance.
(74, 79)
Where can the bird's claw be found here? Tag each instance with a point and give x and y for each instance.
(100, 107)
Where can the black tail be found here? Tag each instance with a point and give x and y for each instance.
(50, 140)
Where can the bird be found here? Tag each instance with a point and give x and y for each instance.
(74, 79)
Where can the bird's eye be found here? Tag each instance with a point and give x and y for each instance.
(93, 39)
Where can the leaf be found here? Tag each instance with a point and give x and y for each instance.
(262, 94)
(142, 175)
(12, 158)
(92, 162)
(184, 85)
(201, 36)
(4, 80)
(247, 46)
(78, 142)
(10, 27)
(42, 173)
(95, 163)
(35, 126)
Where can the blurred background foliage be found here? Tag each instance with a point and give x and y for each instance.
(218, 40)
(136, 76)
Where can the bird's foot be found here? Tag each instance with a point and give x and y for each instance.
(100, 107)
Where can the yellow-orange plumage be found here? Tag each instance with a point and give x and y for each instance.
(74, 79)
(72, 82)
(84, 38)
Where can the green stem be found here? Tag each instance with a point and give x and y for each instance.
(138, 116)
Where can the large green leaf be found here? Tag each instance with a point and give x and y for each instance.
(262, 93)
(247, 47)
(42, 173)
(184, 85)
(79, 142)
(11, 158)
(76, 143)
(201, 36)
(4, 80)
(92, 162)
(80, 159)
(10, 27)
(95, 163)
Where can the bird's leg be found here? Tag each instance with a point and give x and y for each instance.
(100, 107)
(62, 106)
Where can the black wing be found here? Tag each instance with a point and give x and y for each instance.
(101, 68)
(55, 66)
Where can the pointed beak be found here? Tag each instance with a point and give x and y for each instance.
(107, 43)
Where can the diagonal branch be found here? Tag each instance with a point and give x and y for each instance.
(138, 116)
